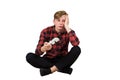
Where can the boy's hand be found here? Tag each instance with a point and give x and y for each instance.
(67, 24)
(47, 46)
(66, 20)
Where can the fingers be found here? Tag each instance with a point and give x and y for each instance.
(45, 43)
(47, 46)
(66, 20)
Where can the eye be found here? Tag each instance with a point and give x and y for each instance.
(63, 20)
(58, 19)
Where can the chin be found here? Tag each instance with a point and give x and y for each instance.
(61, 27)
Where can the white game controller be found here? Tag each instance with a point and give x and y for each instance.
(52, 42)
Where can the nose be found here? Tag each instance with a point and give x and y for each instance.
(61, 23)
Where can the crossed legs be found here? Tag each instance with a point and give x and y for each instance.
(48, 66)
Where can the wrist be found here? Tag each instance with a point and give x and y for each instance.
(68, 29)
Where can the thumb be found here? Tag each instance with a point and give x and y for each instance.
(45, 43)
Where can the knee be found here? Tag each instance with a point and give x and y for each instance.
(76, 49)
(29, 56)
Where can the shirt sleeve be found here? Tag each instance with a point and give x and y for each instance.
(73, 38)
(40, 43)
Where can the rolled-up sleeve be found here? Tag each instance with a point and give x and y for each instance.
(73, 38)
(40, 43)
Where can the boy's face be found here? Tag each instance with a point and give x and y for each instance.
(59, 23)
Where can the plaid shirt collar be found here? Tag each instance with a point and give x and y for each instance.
(62, 32)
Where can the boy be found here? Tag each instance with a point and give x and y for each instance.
(57, 57)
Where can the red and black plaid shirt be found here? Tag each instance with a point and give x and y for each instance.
(60, 47)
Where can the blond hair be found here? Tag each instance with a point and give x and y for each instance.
(58, 14)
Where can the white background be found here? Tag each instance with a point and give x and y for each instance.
(96, 23)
